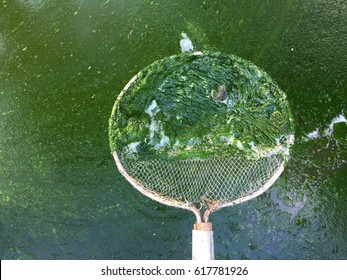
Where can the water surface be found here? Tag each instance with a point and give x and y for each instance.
(62, 65)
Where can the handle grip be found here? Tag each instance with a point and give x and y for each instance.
(202, 242)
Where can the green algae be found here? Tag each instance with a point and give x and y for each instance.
(198, 105)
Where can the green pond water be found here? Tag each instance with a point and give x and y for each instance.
(63, 64)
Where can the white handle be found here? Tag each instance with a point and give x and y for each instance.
(202, 243)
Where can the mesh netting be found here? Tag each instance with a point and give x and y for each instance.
(202, 180)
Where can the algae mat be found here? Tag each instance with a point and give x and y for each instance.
(62, 64)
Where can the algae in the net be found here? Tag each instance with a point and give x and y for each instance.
(199, 105)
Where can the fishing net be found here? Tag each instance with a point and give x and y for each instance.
(201, 130)
(202, 180)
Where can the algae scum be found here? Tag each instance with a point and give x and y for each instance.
(199, 105)
(62, 66)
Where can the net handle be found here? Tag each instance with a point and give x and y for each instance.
(152, 195)
(202, 242)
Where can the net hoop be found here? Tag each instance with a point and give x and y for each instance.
(213, 207)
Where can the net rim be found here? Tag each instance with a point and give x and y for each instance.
(187, 205)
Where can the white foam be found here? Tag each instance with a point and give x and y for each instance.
(191, 143)
(314, 134)
(239, 144)
(132, 147)
(153, 127)
(338, 119)
(186, 44)
(156, 126)
(328, 132)
(163, 141)
(280, 148)
(252, 144)
(153, 109)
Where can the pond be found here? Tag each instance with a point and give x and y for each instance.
(62, 66)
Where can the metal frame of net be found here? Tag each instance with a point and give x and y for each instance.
(211, 183)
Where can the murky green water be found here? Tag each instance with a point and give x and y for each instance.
(62, 64)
